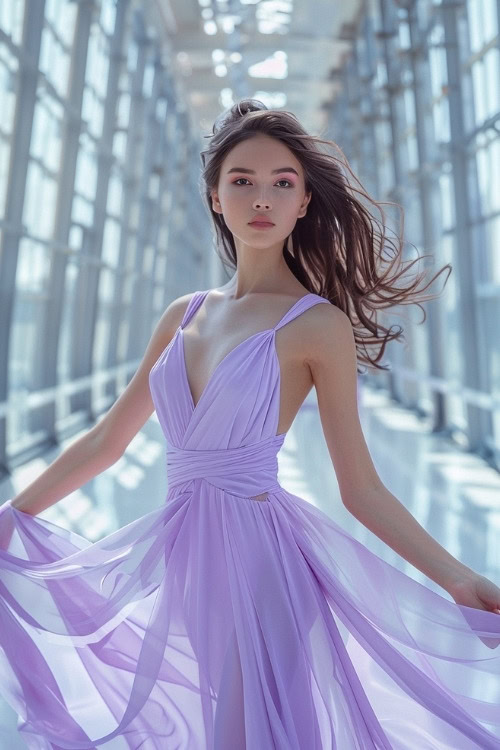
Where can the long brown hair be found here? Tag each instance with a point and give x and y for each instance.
(338, 249)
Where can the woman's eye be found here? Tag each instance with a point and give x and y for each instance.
(244, 178)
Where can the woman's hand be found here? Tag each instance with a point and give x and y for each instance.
(480, 593)
(476, 591)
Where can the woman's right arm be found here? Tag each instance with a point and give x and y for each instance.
(105, 442)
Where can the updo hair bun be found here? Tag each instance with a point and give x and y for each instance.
(236, 112)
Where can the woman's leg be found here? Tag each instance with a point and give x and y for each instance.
(229, 723)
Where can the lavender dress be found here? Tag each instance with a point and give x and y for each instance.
(305, 638)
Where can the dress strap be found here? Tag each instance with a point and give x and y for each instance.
(302, 304)
(193, 305)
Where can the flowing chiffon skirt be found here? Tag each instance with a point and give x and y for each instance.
(121, 643)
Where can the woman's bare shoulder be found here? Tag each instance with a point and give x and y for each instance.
(174, 313)
(323, 325)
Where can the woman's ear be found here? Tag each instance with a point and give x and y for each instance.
(304, 205)
(215, 202)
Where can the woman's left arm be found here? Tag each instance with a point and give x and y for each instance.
(331, 357)
(385, 515)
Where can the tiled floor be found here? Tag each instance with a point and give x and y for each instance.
(454, 495)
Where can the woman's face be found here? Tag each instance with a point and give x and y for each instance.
(250, 185)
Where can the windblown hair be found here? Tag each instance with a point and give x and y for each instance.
(338, 249)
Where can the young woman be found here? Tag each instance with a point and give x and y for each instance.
(237, 615)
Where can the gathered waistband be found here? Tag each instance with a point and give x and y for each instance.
(246, 470)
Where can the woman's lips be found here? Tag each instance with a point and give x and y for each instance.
(261, 224)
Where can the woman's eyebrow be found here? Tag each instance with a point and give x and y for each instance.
(251, 171)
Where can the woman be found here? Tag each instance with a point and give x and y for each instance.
(237, 615)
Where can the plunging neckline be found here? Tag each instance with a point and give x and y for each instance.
(231, 351)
